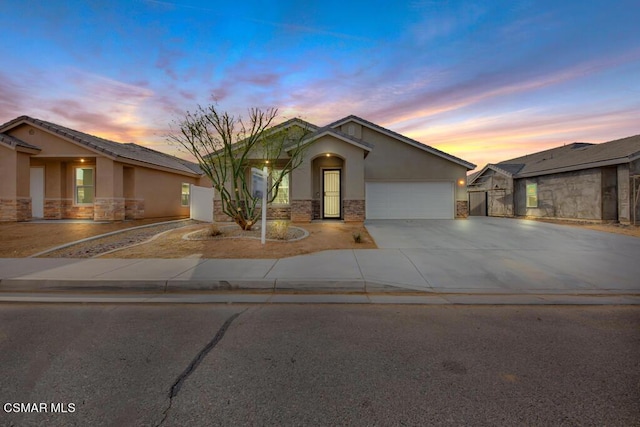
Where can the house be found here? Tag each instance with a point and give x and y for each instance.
(354, 170)
(53, 172)
(578, 181)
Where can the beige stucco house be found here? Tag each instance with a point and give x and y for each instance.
(53, 172)
(354, 170)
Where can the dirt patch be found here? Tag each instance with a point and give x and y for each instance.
(627, 230)
(322, 236)
(22, 239)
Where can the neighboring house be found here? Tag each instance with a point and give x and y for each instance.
(52, 172)
(576, 181)
(355, 170)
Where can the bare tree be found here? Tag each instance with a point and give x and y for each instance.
(226, 147)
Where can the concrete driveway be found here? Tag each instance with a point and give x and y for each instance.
(503, 254)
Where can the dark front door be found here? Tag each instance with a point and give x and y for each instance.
(331, 190)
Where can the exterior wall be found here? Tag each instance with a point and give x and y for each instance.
(159, 192)
(634, 170)
(393, 160)
(353, 210)
(462, 209)
(572, 195)
(625, 199)
(15, 202)
(609, 194)
(499, 189)
(50, 144)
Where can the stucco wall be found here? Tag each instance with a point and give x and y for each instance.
(8, 165)
(574, 195)
(499, 189)
(393, 160)
(49, 143)
(352, 169)
(161, 192)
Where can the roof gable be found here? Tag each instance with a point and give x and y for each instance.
(15, 143)
(402, 138)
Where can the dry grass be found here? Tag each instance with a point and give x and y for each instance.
(627, 230)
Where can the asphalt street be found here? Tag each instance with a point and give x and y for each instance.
(320, 364)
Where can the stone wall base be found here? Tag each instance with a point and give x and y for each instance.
(462, 208)
(315, 208)
(218, 215)
(53, 209)
(301, 210)
(133, 208)
(18, 209)
(71, 211)
(108, 209)
(353, 210)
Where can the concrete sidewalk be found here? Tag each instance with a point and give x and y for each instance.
(339, 271)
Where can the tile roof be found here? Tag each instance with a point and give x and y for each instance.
(129, 151)
(575, 156)
(13, 142)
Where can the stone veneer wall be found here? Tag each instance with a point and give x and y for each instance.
(133, 208)
(462, 208)
(108, 209)
(71, 211)
(18, 209)
(353, 210)
(273, 212)
(301, 210)
(315, 207)
(53, 208)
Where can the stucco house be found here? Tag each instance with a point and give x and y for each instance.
(53, 172)
(580, 181)
(354, 170)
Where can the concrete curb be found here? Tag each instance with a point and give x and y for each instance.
(314, 298)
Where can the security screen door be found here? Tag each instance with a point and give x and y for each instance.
(331, 188)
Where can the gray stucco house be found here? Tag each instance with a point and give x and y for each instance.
(581, 181)
(354, 170)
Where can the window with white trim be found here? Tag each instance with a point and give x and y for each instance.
(186, 194)
(282, 198)
(84, 186)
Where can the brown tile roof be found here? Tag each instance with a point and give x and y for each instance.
(114, 149)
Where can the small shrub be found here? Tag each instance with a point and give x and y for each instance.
(278, 230)
(214, 230)
(357, 237)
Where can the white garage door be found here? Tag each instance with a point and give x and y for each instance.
(409, 200)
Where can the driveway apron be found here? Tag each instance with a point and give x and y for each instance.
(504, 255)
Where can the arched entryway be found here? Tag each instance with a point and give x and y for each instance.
(328, 186)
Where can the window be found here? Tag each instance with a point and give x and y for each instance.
(185, 194)
(282, 198)
(532, 195)
(84, 186)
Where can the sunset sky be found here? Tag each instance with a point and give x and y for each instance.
(482, 80)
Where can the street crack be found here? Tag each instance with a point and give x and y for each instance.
(177, 385)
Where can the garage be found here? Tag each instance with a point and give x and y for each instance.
(409, 200)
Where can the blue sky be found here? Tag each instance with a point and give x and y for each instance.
(482, 80)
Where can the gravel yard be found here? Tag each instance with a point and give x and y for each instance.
(95, 247)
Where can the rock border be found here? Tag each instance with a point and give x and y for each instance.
(187, 237)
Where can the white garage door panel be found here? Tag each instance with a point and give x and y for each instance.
(409, 200)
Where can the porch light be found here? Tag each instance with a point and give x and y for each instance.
(328, 155)
(461, 182)
(267, 161)
(81, 160)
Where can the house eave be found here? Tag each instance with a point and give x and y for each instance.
(337, 136)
